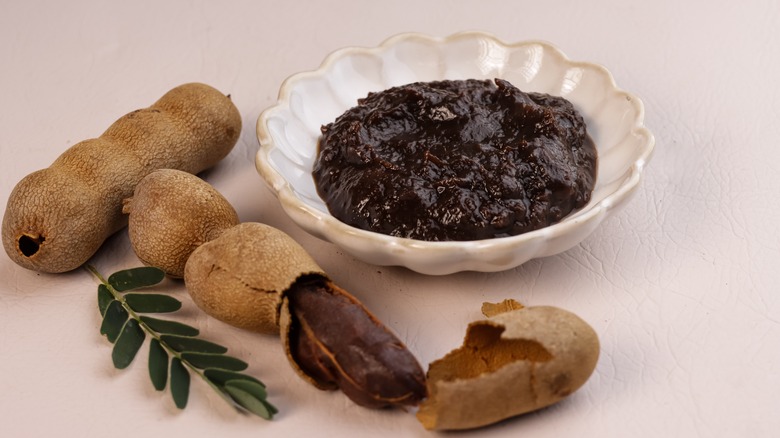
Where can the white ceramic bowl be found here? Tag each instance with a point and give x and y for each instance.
(288, 134)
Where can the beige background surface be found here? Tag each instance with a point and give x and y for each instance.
(682, 285)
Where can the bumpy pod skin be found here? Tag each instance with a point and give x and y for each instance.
(172, 213)
(58, 217)
(510, 364)
(240, 277)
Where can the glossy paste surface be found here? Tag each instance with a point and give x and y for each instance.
(456, 160)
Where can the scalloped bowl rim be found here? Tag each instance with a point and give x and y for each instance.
(331, 229)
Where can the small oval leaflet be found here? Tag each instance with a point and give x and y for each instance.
(221, 377)
(128, 344)
(167, 327)
(158, 365)
(104, 298)
(152, 303)
(180, 383)
(184, 343)
(114, 319)
(136, 278)
(205, 360)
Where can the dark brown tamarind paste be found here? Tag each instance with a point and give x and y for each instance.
(455, 160)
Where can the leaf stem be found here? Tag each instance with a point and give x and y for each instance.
(96, 273)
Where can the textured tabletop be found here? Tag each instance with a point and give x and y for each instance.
(681, 285)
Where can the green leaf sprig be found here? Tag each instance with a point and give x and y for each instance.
(174, 349)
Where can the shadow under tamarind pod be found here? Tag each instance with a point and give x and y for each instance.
(338, 343)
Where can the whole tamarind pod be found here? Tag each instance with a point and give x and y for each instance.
(57, 218)
(164, 230)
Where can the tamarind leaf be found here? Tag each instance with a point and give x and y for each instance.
(136, 278)
(180, 383)
(104, 298)
(174, 351)
(114, 319)
(158, 365)
(152, 303)
(184, 343)
(220, 377)
(205, 360)
(127, 345)
(163, 326)
(249, 402)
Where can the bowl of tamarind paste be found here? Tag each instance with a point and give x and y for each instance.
(462, 153)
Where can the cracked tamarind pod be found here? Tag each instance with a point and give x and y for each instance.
(518, 360)
(256, 277)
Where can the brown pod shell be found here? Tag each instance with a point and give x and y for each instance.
(512, 363)
(172, 213)
(247, 294)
